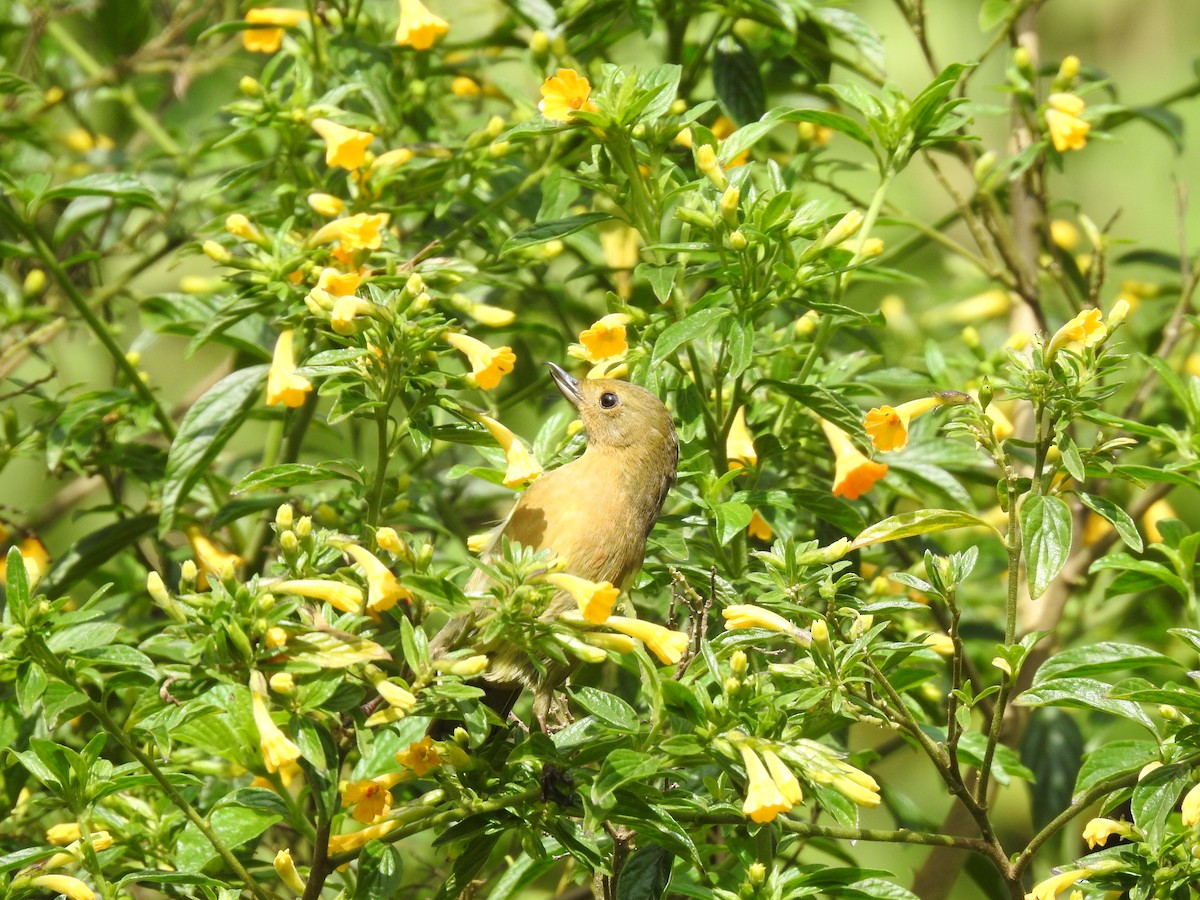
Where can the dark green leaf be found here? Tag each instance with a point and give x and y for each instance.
(91, 552)
(1099, 659)
(607, 708)
(1112, 759)
(549, 231)
(646, 874)
(379, 872)
(204, 431)
(293, 474)
(1046, 537)
(119, 185)
(737, 80)
(692, 327)
(621, 767)
(1155, 797)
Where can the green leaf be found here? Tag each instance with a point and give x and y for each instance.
(518, 876)
(204, 431)
(1116, 516)
(732, 519)
(923, 521)
(380, 867)
(293, 474)
(607, 708)
(840, 123)
(1154, 799)
(621, 767)
(91, 552)
(1046, 538)
(549, 231)
(692, 327)
(236, 819)
(1099, 659)
(16, 588)
(660, 278)
(1114, 758)
(824, 403)
(31, 683)
(737, 81)
(118, 185)
(1053, 745)
(1083, 693)
(646, 874)
(1123, 562)
(994, 12)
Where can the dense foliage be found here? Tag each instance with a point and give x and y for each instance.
(279, 286)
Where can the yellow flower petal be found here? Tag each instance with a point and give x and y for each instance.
(419, 28)
(563, 93)
(345, 147)
(854, 474)
(284, 386)
(739, 445)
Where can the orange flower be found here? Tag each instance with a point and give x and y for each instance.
(604, 340)
(888, 425)
(283, 384)
(268, 40)
(419, 28)
(854, 474)
(370, 798)
(1067, 130)
(344, 147)
(563, 94)
(420, 756)
(488, 366)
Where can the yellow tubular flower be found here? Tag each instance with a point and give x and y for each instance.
(284, 386)
(488, 366)
(337, 594)
(1097, 832)
(383, 590)
(326, 205)
(854, 474)
(358, 232)
(563, 93)
(268, 39)
(1085, 330)
(63, 833)
(709, 166)
(420, 756)
(337, 283)
(392, 159)
(344, 843)
(395, 696)
(212, 559)
(604, 340)
(747, 615)
(1002, 426)
(522, 467)
(617, 643)
(664, 643)
(787, 783)
(764, 800)
(419, 28)
(853, 784)
(345, 311)
(345, 148)
(286, 870)
(739, 445)
(465, 667)
(278, 750)
(759, 528)
(888, 425)
(595, 599)
(1052, 886)
(1067, 130)
(1190, 810)
(69, 887)
(241, 227)
(940, 643)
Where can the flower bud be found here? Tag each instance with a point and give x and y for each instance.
(35, 283)
(288, 542)
(286, 870)
(274, 637)
(216, 252)
(249, 86)
(984, 166)
(807, 323)
(303, 526)
(731, 686)
(737, 663)
(820, 632)
(729, 206)
(709, 166)
(284, 516)
(846, 227)
(737, 241)
(188, 573)
(282, 683)
(539, 42)
(1067, 70)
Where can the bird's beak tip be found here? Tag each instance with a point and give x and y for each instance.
(568, 385)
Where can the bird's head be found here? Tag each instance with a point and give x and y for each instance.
(620, 416)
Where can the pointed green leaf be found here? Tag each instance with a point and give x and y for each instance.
(1046, 539)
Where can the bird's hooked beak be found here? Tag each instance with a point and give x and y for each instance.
(568, 385)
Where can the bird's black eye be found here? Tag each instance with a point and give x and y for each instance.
(608, 400)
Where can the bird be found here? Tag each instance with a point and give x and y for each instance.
(594, 513)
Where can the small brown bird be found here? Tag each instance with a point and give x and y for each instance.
(595, 513)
